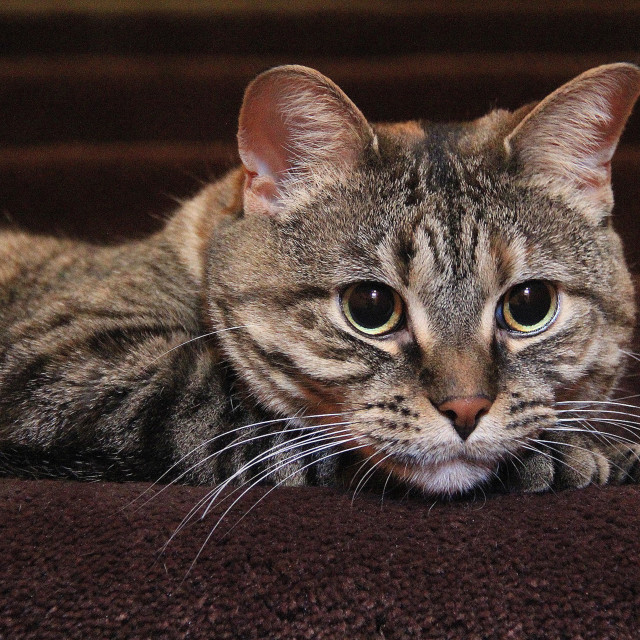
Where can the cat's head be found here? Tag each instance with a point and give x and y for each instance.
(433, 289)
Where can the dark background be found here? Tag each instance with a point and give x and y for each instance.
(109, 115)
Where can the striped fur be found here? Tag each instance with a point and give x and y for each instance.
(216, 351)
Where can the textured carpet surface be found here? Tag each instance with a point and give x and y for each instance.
(79, 561)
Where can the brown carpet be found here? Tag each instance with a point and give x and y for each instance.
(79, 562)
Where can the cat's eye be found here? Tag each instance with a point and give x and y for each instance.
(529, 307)
(373, 308)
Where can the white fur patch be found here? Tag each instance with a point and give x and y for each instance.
(448, 478)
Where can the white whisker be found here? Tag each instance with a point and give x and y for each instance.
(632, 428)
(280, 448)
(604, 437)
(275, 450)
(226, 512)
(369, 473)
(575, 446)
(599, 411)
(200, 337)
(206, 443)
(630, 354)
(322, 446)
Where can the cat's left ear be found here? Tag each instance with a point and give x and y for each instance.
(566, 142)
(297, 128)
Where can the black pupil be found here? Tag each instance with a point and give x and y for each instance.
(529, 303)
(371, 305)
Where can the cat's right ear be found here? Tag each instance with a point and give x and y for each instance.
(296, 129)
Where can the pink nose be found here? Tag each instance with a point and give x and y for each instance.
(465, 412)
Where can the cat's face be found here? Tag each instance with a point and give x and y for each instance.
(429, 298)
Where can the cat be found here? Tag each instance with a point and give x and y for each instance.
(444, 306)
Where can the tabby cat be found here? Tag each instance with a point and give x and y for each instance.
(439, 305)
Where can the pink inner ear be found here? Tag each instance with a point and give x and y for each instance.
(294, 122)
(263, 146)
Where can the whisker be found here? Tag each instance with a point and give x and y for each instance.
(283, 447)
(545, 453)
(221, 518)
(605, 438)
(632, 428)
(598, 412)
(206, 443)
(294, 458)
(275, 450)
(369, 473)
(627, 397)
(200, 337)
(575, 446)
(384, 488)
(630, 354)
(361, 466)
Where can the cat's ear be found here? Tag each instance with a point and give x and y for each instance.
(566, 142)
(296, 128)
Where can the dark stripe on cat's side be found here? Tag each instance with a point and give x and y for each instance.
(26, 375)
(103, 343)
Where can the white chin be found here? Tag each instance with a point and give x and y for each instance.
(448, 478)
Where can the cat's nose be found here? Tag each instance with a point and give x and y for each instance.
(465, 412)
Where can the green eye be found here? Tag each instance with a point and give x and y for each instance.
(373, 308)
(529, 307)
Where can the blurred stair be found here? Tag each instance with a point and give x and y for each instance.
(110, 115)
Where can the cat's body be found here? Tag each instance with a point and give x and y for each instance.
(280, 265)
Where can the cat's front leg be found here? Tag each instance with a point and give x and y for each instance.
(574, 460)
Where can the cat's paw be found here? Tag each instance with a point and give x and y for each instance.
(624, 464)
(575, 460)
